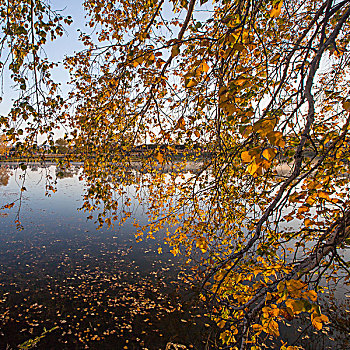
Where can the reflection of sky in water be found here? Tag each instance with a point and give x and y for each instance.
(62, 264)
(62, 204)
(55, 223)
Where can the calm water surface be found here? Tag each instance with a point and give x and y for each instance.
(101, 289)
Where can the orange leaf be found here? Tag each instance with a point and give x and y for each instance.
(191, 83)
(246, 157)
(253, 168)
(276, 11)
(203, 67)
(269, 153)
(160, 157)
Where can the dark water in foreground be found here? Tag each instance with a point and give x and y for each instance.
(101, 289)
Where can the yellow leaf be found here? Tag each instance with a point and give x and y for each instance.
(273, 328)
(317, 322)
(312, 295)
(311, 199)
(281, 287)
(324, 318)
(181, 124)
(108, 221)
(252, 168)
(246, 157)
(276, 138)
(159, 250)
(269, 153)
(175, 251)
(221, 324)
(138, 61)
(160, 157)
(247, 131)
(257, 327)
(264, 126)
(296, 306)
(276, 11)
(289, 217)
(202, 244)
(324, 195)
(303, 210)
(240, 82)
(191, 83)
(308, 222)
(203, 67)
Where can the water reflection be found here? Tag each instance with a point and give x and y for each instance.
(5, 173)
(66, 172)
(100, 288)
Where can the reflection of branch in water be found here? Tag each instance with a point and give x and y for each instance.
(64, 172)
(4, 176)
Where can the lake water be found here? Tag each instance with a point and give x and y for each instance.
(101, 289)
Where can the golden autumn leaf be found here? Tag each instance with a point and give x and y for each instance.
(264, 126)
(317, 321)
(303, 209)
(269, 153)
(276, 138)
(276, 11)
(181, 124)
(246, 157)
(221, 324)
(191, 83)
(202, 244)
(203, 67)
(308, 222)
(324, 195)
(273, 328)
(175, 50)
(160, 157)
(254, 169)
(311, 199)
(296, 306)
